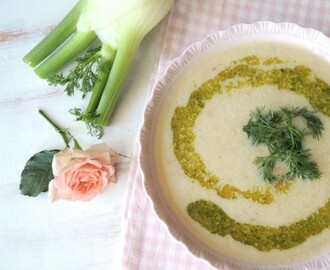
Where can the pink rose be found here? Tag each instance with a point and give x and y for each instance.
(81, 175)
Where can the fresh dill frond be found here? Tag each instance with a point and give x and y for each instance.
(83, 76)
(301, 165)
(313, 123)
(284, 141)
(267, 165)
(90, 120)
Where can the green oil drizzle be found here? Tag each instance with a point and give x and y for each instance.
(253, 72)
(263, 238)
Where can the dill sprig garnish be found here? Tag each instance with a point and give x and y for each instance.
(94, 129)
(285, 142)
(83, 76)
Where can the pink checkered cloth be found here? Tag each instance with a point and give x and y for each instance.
(147, 243)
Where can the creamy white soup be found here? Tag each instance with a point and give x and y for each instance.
(205, 162)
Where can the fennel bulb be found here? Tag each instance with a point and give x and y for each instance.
(120, 26)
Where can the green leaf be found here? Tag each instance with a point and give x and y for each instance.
(37, 173)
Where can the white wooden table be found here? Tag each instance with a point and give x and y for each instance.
(34, 233)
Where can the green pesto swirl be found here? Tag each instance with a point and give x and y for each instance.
(253, 72)
(263, 238)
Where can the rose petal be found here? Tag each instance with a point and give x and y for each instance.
(55, 193)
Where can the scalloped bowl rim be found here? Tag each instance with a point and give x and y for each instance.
(260, 29)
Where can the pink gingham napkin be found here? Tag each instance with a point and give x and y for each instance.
(147, 243)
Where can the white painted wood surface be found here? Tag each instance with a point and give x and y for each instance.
(34, 233)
